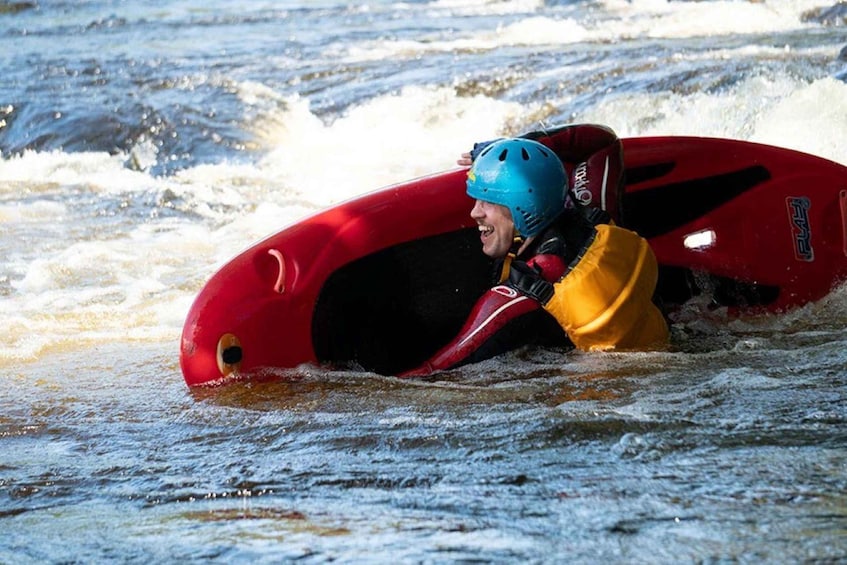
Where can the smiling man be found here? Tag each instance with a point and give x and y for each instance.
(496, 228)
(567, 273)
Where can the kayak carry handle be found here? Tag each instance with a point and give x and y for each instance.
(279, 285)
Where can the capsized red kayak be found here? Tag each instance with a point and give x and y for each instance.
(385, 279)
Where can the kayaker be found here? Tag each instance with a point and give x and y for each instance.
(565, 271)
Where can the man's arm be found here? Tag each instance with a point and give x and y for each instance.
(504, 318)
(493, 313)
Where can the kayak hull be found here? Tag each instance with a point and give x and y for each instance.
(382, 281)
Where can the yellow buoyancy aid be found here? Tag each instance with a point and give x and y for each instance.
(605, 300)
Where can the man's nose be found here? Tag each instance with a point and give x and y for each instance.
(476, 211)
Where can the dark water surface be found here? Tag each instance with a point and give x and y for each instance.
(643, 458)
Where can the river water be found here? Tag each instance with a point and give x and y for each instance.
(141, 147)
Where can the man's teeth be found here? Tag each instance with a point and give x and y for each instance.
(486, 229)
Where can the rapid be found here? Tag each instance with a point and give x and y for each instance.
(142, 146)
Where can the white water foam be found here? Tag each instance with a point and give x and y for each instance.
(781, 111)
(362, 150)
(534, 24)
(662, 19)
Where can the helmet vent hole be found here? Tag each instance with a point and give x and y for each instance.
(543, 152)
(503, 154)
(524, 154)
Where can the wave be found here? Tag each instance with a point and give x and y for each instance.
(782, 111)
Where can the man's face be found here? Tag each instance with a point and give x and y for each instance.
(496, 228)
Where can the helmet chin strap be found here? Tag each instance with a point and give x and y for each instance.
(517, 242)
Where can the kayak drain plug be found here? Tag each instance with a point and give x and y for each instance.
(231, 355)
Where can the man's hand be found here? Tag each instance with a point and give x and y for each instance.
(465, 160)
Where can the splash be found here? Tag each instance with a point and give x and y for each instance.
(361, 150)
(661, 19)
(780, 111)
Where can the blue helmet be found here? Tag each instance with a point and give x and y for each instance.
(524, 176)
